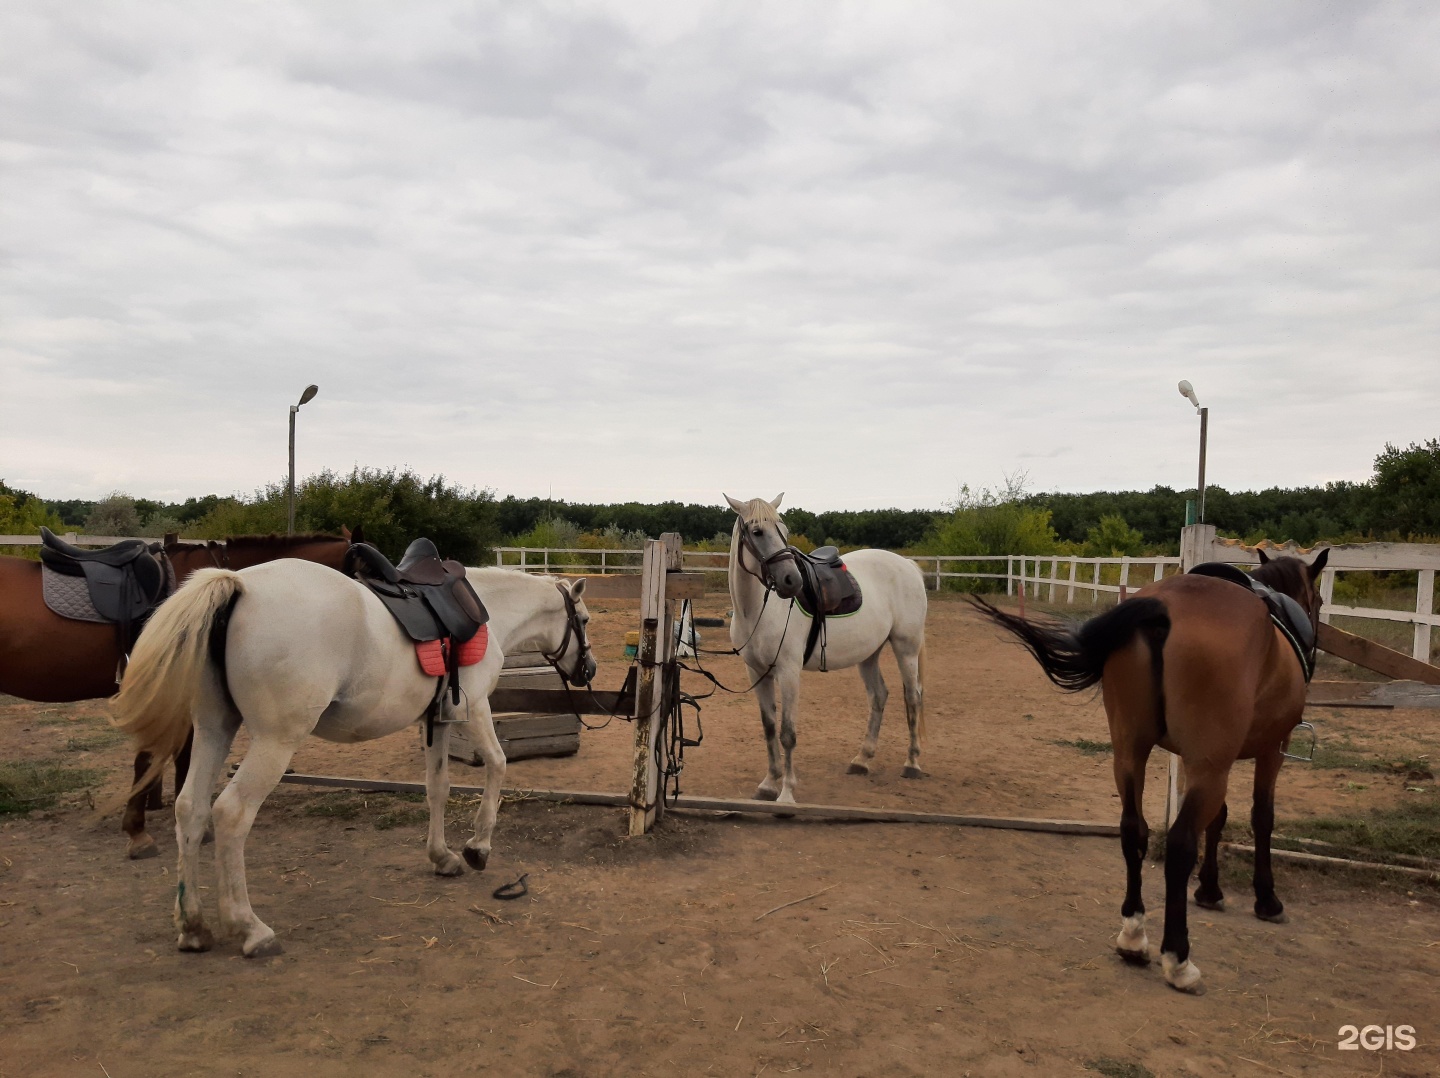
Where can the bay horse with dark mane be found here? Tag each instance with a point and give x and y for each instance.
(46, 657)
(1215, 673)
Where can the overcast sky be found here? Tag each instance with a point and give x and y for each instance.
(858, 253)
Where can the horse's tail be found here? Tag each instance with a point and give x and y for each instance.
(1074, 657)
(168, 667)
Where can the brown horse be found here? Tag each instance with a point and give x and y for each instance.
(1196, 665)
(46, 657)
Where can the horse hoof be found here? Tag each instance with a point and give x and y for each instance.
(1277, 918)
(911, 772)
(1208, 903)
(264, 949)
(451, 866)
(196, 940)
(857, 768)
(475, 858)
(1134, 958)
(1132, 944)
(1183, 976)
(764, 793)
(141, 847)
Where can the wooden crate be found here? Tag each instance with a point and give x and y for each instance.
(524, 735)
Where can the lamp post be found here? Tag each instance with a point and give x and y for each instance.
(305, 398)
(1188, 392)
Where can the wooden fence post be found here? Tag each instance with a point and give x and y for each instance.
(1070, 593)
(1424, 604)
(646, 794)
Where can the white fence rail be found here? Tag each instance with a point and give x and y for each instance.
(1058, 578)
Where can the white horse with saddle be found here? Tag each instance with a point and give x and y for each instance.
(291, 649)
(882, 600)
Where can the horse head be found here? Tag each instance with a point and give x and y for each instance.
(761, 533)
(1293, 577)
(580, 669)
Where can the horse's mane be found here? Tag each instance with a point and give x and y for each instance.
(1284, 574)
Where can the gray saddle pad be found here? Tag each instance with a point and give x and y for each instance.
(69, 596)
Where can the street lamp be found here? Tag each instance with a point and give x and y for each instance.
(1188, 392)
(305, 398)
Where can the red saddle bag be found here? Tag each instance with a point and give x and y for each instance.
(434, 653)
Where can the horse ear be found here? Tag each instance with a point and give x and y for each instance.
(345, 534)
(1318, 565)
(1264, 558)
(739, 507)
(775, 501)
(577, 588)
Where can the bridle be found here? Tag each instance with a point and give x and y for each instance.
(764, 563)
(576, 628)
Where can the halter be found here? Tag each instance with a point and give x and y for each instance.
(573, 626)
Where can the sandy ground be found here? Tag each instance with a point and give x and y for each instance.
(930, 950)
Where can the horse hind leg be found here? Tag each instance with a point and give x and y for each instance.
(1268, 906)
(1208, 895)
(437, 794)
(1132, 944)
(877, 692)
(192, 820)
(1203, 799)
(132, 823)
(234, 812)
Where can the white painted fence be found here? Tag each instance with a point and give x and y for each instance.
(1057, 578)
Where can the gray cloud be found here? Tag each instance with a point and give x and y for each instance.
(646, 252)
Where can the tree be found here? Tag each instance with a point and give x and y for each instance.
(115, 515)
(1407, 490)
(1113, 538)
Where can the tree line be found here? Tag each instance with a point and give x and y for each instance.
(1400, 501)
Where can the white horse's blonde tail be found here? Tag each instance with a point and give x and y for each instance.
(162, 686)
(920, 718)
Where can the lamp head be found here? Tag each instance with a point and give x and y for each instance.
(310, 391)
(1188, 392)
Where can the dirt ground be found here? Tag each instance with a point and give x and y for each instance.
(923, 949)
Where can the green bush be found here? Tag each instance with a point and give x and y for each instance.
(1113, 538)
(990, 523)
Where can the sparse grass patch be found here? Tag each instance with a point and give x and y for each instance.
(1343, 754)
(384, 810)
(92, 742)
(1410, 829)
(1118, 1068)
(1089, 748)
(38, 784)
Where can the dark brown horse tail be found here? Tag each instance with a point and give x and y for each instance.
(1074, 657)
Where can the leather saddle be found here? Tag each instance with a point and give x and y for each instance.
(829, 590)
(126, 581)
(1288, 615)
(430, 598)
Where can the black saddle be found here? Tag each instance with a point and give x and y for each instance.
(126, 581)
(429, 597)
(1288, 615)
(828, 590)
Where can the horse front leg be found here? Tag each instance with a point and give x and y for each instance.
(482, 733)
(789, 698)
(914, 707)
(769, 788)
(1208, 895)
(1262, 820)
(437, 796)
(877, 692)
